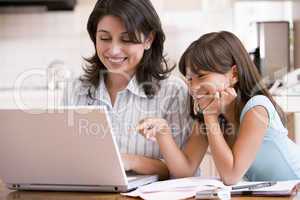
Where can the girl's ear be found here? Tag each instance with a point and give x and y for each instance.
(149, 40)
(233, 75)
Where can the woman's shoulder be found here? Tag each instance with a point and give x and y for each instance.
(174, 82)
(79, 87)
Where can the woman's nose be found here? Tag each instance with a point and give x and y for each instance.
(115, 49)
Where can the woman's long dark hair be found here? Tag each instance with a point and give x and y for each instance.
(139, 16)
(218, 52)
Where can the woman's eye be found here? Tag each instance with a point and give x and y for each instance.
(105, 39)
(126, 41)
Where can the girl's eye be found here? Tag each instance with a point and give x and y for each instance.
(201, 75)
(188, 78)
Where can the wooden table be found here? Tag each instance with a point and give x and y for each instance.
(6, 194)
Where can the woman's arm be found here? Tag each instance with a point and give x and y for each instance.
(145, 165)
(180, 163)
(233, 163)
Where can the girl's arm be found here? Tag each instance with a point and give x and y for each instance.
(233, 164)
(180, 163)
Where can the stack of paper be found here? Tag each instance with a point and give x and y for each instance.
(175, 189)
(188, 187)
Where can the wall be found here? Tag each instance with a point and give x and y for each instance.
(296, 21)
(247, 13)
(33, 38)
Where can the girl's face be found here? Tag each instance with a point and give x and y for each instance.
(114, 48)
(205, 84)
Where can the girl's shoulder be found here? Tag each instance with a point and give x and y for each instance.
(259, 100)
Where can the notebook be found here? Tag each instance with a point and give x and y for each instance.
(281, 188)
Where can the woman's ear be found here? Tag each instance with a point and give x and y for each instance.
(149, 40)
(233, 75)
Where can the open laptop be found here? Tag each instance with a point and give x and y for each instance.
(66, 149)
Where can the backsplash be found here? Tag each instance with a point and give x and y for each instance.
(33, 38)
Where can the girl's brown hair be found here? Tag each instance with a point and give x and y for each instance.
(218, 52)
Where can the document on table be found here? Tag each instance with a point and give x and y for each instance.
(175, 188)
(188, 187)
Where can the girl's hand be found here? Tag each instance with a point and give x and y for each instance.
(220, 101)
(152, 128)
(227, 97)
(208, 104)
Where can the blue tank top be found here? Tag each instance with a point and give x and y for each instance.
(278, 158)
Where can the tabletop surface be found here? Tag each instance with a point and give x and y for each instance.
(6, 194)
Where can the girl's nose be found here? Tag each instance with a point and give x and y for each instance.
(192, 85)
(192, 89)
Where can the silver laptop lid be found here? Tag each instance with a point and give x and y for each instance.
(62, 147)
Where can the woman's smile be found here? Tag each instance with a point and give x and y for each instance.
(116, 60)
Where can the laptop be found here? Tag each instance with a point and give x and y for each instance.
(65, 149)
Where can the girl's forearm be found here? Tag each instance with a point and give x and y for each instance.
(177, 162)
(221, 152)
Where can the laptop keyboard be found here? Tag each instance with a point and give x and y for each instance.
(131, 178)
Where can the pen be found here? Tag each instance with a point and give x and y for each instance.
(255, 186)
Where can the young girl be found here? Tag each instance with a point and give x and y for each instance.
(236, 117)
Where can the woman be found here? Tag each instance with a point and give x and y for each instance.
(236, 117)
(129, 75)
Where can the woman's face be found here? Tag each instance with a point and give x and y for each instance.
(114, 48)
(204, 85)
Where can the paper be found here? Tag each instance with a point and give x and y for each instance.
(175, 189)
(183, 183)
(170, 194)
(183, 188)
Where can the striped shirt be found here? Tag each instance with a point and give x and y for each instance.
(132, 105)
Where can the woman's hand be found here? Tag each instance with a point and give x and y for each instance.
(153, 128)
(127, 161)
(145, 165)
